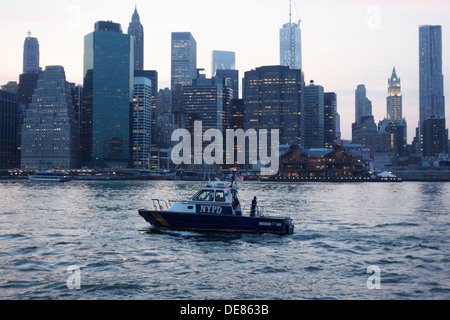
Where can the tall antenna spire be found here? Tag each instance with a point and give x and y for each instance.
(290, 11)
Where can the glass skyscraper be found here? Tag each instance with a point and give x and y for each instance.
(291, 44)
(223, 60)
(432, 101)
(184, 59)
(108, 87)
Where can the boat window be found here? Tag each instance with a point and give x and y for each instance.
(220, 197)
(205, 195)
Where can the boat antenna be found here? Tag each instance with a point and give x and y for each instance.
(233, 179)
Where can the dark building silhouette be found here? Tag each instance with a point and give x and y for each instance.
(314, 116)
(9, 113)
(136, 30)
(435, 137)
(330, 122)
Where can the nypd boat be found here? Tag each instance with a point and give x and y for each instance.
(215, 208)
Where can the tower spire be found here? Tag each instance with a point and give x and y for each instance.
(290, 11)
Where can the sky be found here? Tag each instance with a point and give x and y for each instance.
(344, 43)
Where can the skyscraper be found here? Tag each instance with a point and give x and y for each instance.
(273, 99)
(9, 113)
(49, 131)
(363, 106)
(31, 55)
(330, 122)
(394, 98)
(183, 59)
(291, 44)
(209, 101)
(432, 100)
(136, 30)
(223, 60)
(108, 87)
(233, 76)
(142, 122)
(314, 116)
(394, 124)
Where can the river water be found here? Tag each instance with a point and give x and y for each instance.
(85, 241)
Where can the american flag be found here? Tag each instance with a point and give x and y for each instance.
(239, 178)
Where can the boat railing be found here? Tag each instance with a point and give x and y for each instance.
(259, 210)
(160, 205)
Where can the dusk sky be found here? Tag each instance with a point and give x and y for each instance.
(344, 43)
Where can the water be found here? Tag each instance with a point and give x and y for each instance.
(340, 231)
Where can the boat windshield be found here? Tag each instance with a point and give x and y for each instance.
(205, 195)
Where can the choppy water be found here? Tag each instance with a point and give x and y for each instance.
(340, 231)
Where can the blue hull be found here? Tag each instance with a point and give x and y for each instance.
(217, 222)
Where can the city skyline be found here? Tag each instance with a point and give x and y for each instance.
(343, 44)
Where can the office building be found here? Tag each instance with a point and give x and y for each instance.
(209, 101)
(49, 131)
(223, 60)
(9, 113)
(183, 59)
(233, 77)
(108, 87)
(142, 122)
(431, 82)
(314, 116)
(435, 137)
(273, 99)
(330, 119)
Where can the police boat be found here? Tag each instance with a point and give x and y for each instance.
(215, 208)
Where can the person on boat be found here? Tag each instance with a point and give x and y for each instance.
(253, 209)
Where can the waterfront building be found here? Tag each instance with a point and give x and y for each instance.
(291, 44)
(333, 162)
(49, 131)
(9, 113)
(223, 60)
(136, 30)
(142, 122)
(314, 116)
(108, 87)
(330, 119)
(183, 59)
(273, 99)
